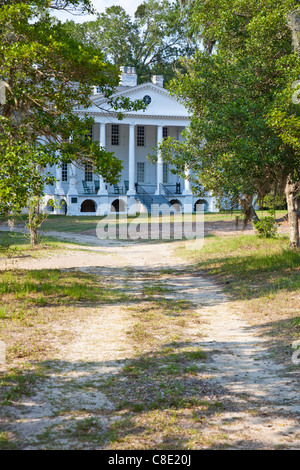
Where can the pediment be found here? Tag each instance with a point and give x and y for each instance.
(162, 103)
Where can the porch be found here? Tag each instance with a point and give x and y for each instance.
(122, 189)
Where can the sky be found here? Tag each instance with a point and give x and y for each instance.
(100, 5)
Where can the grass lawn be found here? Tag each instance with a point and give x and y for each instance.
(78, 224)
(32, 300)
(262, 277)
(16, 244)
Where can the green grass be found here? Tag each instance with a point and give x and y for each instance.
(33, 303)
(45, 287)
(75, 224)
(246, 260)
(17, 383)
(13, 241)
(78, 224)
(16, 244)
(6, 443)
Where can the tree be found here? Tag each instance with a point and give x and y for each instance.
(233, 89)
(287, 122)
(152, 42)
(46, 74)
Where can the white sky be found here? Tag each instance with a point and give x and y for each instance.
(100, 5)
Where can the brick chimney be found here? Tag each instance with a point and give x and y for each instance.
(128, 76)
(158, 80)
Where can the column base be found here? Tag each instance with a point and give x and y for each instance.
(187, 204)
(131, 192)
(72, 192)
(103, 206)
(102, 192)
(59, 192)
(132, 206)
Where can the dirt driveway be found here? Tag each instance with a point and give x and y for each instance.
(259, 401)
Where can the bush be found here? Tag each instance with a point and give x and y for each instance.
(265, 228)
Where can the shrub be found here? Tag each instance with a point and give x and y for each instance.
(265, 228)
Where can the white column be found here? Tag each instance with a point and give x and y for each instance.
(58, 186)
(72, 184)
(159, 164)
(187, 184)
(131, 156)
(102, 187)
(47, 187)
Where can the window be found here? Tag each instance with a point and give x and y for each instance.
(64, 172)
(89, 135)
(165, 173)
(165, 133)
(147, 99)
(115, 134)
(88, 172)
(140, 172)
(140, 136)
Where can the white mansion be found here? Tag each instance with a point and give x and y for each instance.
(143, 185)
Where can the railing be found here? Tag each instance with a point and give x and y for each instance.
(167, 191)
(145, 197)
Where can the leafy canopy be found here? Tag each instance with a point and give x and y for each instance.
(244, 131)
(46, 74)
(152, 42)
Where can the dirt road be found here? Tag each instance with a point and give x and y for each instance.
(260, 401)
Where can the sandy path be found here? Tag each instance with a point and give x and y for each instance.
(262, 401)
(97, 253)
(137, 256)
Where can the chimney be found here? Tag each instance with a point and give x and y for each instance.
(158, 80)
(128, 76)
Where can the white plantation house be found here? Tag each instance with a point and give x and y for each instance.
(143, 186)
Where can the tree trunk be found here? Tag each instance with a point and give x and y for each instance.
(34, 221)
(33, 236)
(248, 210)
(291, 191)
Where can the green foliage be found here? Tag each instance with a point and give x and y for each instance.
(46, 73)
(151, 42)
(234, 89)
(266, 227)
(272, 202)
